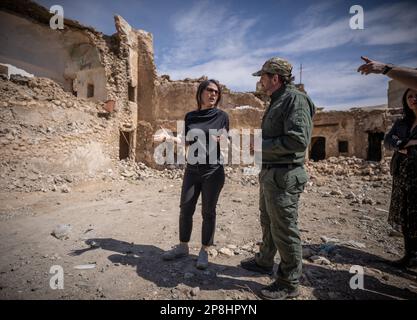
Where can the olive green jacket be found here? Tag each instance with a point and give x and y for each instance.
(287, 126)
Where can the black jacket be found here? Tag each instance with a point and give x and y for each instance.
(396, 139)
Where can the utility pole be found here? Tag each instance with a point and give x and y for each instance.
(301, 73)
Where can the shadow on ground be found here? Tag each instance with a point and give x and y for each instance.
(326, 283)
(336, 282)
(147, 259)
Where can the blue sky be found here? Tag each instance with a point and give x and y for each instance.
(228, 40)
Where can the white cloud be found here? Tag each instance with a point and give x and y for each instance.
(219, 49)
(234, 73)
(322, 37)
(385, 25)
(337, 85)
(333, 85)
(206, 32)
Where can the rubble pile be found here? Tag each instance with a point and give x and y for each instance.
(41, 92)
(50, 138)
(139, 171)
(340, 167)
(131, 170)
(349, 166)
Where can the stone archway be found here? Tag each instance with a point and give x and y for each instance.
(318, 148)
(375, 146)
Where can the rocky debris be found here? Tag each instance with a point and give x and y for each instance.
(65, 189)
(132, 170)
(370, 171)
(319, 260)
(351, 195)
(213, 253)
(336, 192)
(85, 266)
(227, 252)
(331, 242)
(53, 140)
(48, 136)
(195, 291)
(23, 91)
(7, 214)
(61, 231)
(182, 291)
(349, 166)
(45, 132)
(333, 249)
(355, 244)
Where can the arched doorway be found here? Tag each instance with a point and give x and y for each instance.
(318, 148)
(375, 146)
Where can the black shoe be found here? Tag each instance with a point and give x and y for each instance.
(277, 291)
(251, 265)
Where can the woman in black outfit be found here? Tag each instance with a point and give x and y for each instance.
(204, 172)
(402, 138)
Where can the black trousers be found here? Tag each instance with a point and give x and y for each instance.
(207, 180)
(410, 243)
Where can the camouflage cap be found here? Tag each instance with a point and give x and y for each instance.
(275, 65)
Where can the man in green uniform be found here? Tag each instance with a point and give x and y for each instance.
(286, 132)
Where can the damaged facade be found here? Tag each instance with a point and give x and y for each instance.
(117, 71)
(115, 79)
(89, 66)
(357, 132)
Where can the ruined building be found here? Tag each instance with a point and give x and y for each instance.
(110, 99)
(116, 72)
(357, 132)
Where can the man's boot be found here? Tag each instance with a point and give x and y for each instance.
(251, 265)
(277, 291)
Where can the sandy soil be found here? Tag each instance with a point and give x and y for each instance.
(123, 227)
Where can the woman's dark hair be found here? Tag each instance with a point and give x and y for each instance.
(203, 85)
(409, 115)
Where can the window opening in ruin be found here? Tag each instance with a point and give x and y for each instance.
(72, 88)
(343, 146)
(375, 146)
(90, 90)
(124, 144)
(175, 149)
(318, 148)
(132, 93)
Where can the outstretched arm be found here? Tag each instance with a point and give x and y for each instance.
(405, 75)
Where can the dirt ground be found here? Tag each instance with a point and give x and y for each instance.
(123, 227)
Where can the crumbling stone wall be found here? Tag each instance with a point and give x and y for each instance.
(68, 57)
(49, 138)
(85, 62)
(354, 127)
(175, 98)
